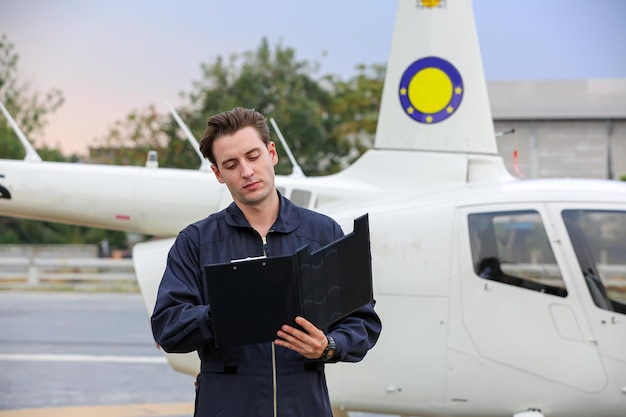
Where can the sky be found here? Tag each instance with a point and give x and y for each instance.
(110, 57)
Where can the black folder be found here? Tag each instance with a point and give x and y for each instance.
(252, 298)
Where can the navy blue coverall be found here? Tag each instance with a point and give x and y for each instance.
(258, 379)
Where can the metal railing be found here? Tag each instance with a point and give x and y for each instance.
(37, 271)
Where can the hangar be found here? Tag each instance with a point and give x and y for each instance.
(562, 128)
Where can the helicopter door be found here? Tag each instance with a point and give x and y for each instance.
(597, 240)
(517, 307)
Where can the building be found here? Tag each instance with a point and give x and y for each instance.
(562, 128)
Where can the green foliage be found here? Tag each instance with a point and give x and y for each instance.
(354, 112)
(129, 141)
(10, 146)
(178, 154)
(35, 232)
(327, 122)
(274, 82)
(313, 115)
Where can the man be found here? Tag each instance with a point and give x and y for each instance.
(282, 378)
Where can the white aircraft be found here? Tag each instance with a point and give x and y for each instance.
(498, 296)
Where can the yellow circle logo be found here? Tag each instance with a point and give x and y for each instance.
(431, 90)
(430, 3)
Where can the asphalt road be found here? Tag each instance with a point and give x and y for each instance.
(78, 354)
(71, 354)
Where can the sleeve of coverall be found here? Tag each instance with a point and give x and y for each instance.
(181, 317)
(355, 334)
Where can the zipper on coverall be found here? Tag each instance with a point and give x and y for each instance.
(274, 381)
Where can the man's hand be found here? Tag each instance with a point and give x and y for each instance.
(310, 344)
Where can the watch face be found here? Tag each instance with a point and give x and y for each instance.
(330, 349)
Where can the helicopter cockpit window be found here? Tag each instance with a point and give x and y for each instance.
(513, 248)
(301, 197)
(599, 240)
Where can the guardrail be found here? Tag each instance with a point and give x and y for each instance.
(38, 271)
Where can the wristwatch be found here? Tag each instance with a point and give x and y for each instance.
(329, 352)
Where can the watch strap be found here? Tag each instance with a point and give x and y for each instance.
(329, 352)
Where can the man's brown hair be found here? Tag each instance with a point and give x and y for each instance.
(230, 122)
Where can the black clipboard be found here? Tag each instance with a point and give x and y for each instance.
(251, 299)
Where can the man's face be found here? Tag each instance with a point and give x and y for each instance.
(246, 165)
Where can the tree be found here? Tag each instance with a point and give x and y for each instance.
(276, 83)
(354, 113)
(129, 141)
(327, 122)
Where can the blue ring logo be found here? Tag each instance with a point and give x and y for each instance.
(431, 90)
